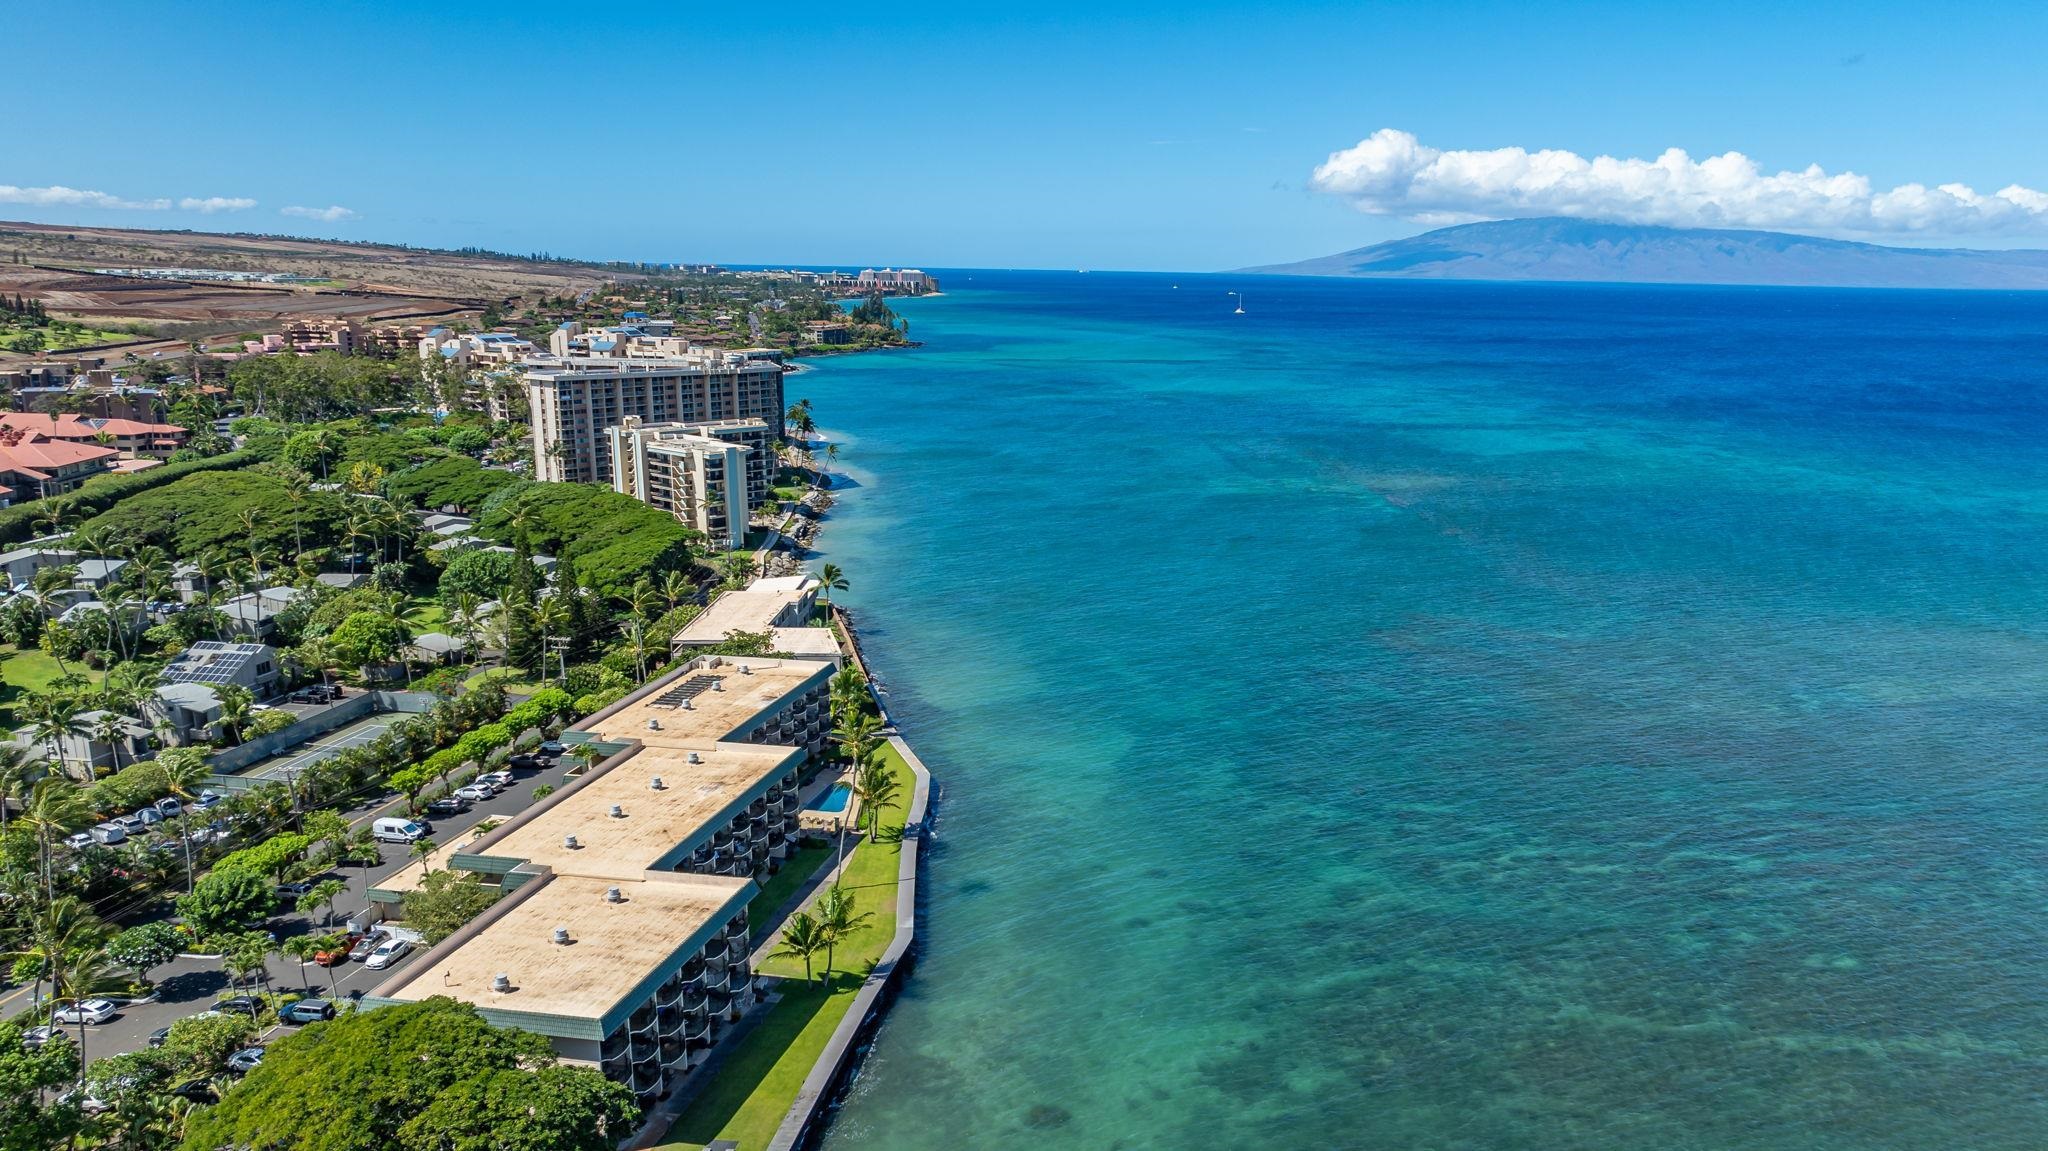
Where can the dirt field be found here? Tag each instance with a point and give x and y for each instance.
(370, 283)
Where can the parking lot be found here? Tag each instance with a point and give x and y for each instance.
(187, 986)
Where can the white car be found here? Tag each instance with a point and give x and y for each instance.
(475, 792)
(388, 952)
(497, 779)
(246, 1060)
(89, 1011)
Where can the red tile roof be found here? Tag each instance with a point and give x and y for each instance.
(68, 426)
(33, 451)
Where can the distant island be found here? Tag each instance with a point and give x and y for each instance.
(1560, 249)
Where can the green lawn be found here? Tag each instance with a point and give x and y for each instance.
(752, 1092)
(23, 673)
(784, 883)
(757, 1084)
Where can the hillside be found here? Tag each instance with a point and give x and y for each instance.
(1556, 249)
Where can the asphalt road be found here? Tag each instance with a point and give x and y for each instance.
(187, 986)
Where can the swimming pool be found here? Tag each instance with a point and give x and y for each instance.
(833, 800)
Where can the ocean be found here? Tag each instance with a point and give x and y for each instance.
(1459, 716)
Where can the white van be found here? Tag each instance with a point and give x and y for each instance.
(391, 829)
(109, 833)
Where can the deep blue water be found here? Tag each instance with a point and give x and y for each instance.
(1456, 716)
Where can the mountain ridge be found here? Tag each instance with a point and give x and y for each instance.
(1561, 249)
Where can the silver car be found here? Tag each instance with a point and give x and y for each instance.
(388, 952)
(88, 1011)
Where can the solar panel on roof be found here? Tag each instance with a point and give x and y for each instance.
(689, 689)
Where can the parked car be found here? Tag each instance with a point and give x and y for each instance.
(337, 955)
(79, 842)
(149, 816)
(475, 792)
(157, 1037)
(304, 1011)
(365, 945)
(499, 780)
(523, 759)
(126, 825)
(395, 830)
(448, 805)
(37, 1036)
(169, 808)
(294, 889)
(208, 800)
(89, 1011)
(196, 1090)
(246, 1060)
(387, 953)
(553, 747)
(247, 1005)
(110, 833)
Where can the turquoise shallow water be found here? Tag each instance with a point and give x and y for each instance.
(1448, 716)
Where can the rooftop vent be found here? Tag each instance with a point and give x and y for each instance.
(569, 841)
(562, 936)
(653, 724)
(618, 812)
(717, 685)
(501, 983)
(656, 784)
(614, 895)
(695, 758)
(745, 670)
(687, 707)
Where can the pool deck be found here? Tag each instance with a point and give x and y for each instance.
(811, 819)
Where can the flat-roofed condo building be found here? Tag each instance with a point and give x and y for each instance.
(710, 476)
(621, 933)
(574, 399)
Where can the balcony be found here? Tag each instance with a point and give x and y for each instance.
(715, 951)
(614, 1046)
(641, 1019)
(737, 926)
(674, 1053)
(643, 1048)
(719, 1001)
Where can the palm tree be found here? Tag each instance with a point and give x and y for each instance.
(297, 488)
(111, 728)
(182, 776)
(803, 936)
(323, 895)
(15, 768)
(463, 609)
(857, 735)
(56, 807)
(675, 588)
(302, 948)
(67, 944)
(54, 716)
(423, 850)
(849, 692)
(875, 787)
(235, 703)
(639, 605)
(832, 578)
(551, 616)
(840, 920)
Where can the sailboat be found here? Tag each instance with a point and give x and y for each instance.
(1240, 303)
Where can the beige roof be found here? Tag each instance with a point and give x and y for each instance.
(408, 878)
(720, 711)
(815, 642)
(757, 607)
(654, 822)
(615, 944)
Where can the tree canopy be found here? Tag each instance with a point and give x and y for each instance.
(457, 481)
(428, 1076)
(614, 539)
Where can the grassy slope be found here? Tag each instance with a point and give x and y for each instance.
(759, 1082)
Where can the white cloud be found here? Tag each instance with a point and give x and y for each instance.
(216, 204)
(58, 196)
(331, 213)
(1392, 173)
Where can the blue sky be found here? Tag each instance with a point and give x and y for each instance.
(1180, 137)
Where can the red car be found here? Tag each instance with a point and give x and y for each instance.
(337, 955)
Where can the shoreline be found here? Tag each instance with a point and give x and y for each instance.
(839, 1063)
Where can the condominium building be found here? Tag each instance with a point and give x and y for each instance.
(779, 606)
(574, 399)
(710, 476)
(636, 337)
(621, 932)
